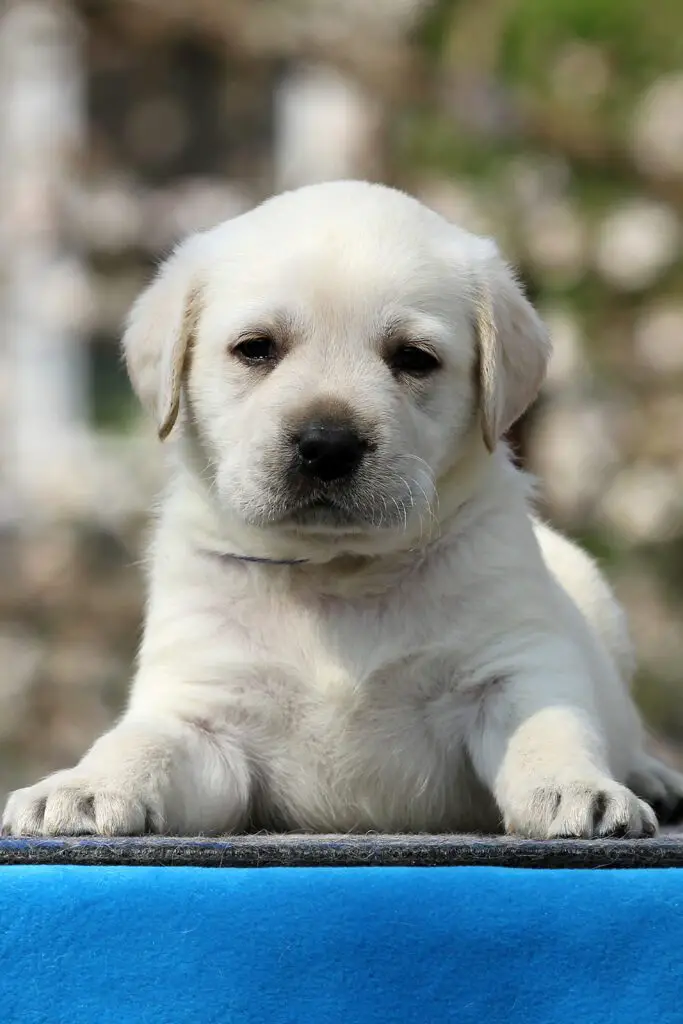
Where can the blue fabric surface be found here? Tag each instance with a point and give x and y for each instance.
(146, 945)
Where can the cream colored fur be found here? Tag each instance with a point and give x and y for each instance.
(440, 660)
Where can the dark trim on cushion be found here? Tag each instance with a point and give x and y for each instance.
(287, 850)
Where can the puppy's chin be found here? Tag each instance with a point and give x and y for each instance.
(322, 515)
(274, 518)
(333, 513)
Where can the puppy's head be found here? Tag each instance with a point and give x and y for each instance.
(327, 357)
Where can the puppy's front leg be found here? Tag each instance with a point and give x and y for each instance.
(160, 774)
(537, 746)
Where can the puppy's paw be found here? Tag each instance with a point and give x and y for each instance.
(70, 803)
(660, 786)
(582, 810)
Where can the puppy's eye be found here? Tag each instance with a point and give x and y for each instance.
(257, 350)
(413, 360)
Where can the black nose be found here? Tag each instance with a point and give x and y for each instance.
(329, 451)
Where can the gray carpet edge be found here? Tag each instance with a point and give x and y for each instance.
(297, 850)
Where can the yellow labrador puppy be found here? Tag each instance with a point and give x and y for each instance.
(354, 621)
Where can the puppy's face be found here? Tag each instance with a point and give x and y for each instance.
(332, 373)
(336, 345)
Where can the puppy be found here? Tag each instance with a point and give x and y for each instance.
(354, 620)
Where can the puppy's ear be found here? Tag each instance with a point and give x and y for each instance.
(513, 347)
(157, 337)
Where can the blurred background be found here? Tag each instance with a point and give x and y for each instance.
(125, 124)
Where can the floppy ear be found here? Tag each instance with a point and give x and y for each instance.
(513, 348)
(158, 334)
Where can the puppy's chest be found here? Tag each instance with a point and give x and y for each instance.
(364, 719)
(367, 667)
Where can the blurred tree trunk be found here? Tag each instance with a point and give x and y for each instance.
(40, 133)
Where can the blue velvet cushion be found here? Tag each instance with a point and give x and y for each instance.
(293, 945)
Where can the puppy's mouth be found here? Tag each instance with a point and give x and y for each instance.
(326, 511)
(370, 501)
(352, 510)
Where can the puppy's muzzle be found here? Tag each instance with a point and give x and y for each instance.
(328, 451)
